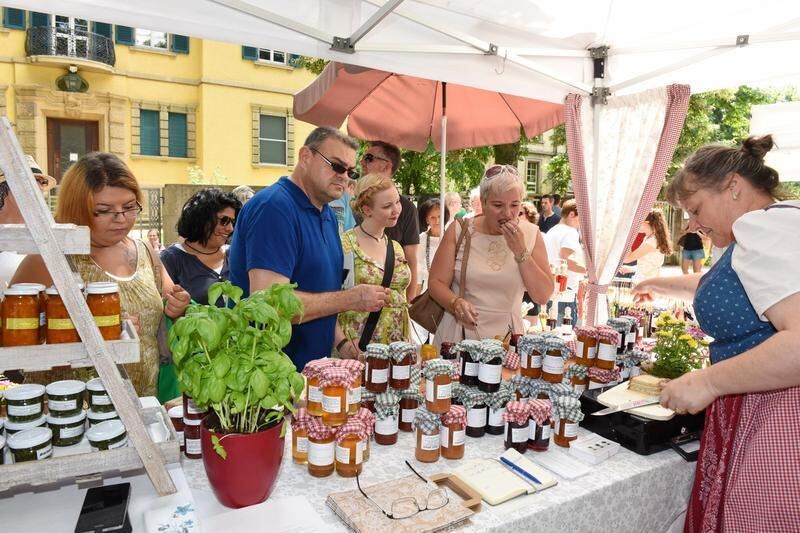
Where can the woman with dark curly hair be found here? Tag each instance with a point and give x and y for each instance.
(206, 223)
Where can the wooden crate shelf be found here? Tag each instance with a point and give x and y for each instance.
(71, 239)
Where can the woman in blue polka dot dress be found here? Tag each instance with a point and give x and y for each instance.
(748, 474)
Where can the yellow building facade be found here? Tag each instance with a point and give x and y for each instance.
(164, 103)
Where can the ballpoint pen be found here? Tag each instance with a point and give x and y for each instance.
(519, 470)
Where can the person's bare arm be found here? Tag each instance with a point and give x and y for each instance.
(677, 287)
(535, 271)
(32, 270)
(573, 266)
(411, 251)
(638, 253)
(440, 278)
(316, 305)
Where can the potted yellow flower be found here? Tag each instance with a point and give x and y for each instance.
(678, 349)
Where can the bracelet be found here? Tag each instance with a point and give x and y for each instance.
(522, 258)
(453, 303)
(341, 343)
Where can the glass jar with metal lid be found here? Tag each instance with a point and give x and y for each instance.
(25, 403)
(65, 398)
(42, 297)
(60, 328)
(31, 444)
(104, 303)
(99, 400)
(107, 435)
(67, 431)
(16, 427)
(21, 316)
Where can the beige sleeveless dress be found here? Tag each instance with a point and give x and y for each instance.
(493, 285)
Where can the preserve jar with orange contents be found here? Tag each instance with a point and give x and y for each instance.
(60, 328)
(607, 343)
(368, 418)
(313, 393)
(377, 358)
(356, 369)
(104, 303)
(569, 416)
(452, 432)
(585, 345)
(578, 376)
(426, 425)
(21, 316)
(349, 447)
(600, 377)
(427, 352)
(334, 382)
(387, 410)
(438, 386)
(42, 295)
(321, 448)
(300, 420)
(402, 358)
(553, 365)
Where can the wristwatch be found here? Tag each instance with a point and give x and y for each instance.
(522, 258)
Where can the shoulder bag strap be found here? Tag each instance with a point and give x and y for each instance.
(372, 319)
(464, 259)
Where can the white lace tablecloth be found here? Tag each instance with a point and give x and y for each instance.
(627, 492)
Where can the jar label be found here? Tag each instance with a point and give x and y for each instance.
(635, 371)
(179, 434)
(379, 376)
(407, 415)
(22, 323)
(476, 418)
(429, 442)
(386, 426)
(62, 405)
(524, 360)
(321, 454)
(518, 434)
(570, 429)
(45, 452)
(630, 338)
(546, 432)
(314, 394)
(490, 374)
(579, 387)
(401, 372)
(343, 454)
(302, 444)
(69, 432)
(444, 436)
(103, 399)
(193, 447)
(331, 404)
(532, 429)
(191, 407)
(444, 392)
(624, 373)
(105, 321)
(553, 364)
(496, 416)
(24, 410)
(536, 361)
(60, 324)
(595, 384)
(607, 352)
(459, 437)
(354, 396)
(471, 369)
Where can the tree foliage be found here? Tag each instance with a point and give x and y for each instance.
(315, 64)
(420, 172)
(559, 176)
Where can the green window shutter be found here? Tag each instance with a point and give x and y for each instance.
(295, 61)
(14, 18)
(101, 28)
(125, 35)
(179, 44)
(249, 52)
(177, 135)
(39, 19)
(149, 132)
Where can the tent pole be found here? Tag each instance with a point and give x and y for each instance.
(373, 21)
(443, 178)
(274, 18)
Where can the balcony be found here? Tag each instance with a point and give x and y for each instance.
(66, 45)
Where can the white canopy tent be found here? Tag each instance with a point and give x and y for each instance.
(545, 50)
(781, 121)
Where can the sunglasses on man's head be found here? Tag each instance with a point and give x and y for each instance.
(495, 170)
(339, 168)
(369, 158)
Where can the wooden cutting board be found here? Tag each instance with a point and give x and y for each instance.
(621, 394)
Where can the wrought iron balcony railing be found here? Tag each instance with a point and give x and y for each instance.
(66, 42)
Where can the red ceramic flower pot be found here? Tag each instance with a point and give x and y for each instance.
(249, 473)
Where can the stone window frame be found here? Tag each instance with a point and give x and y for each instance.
(275, 111)
(163, 115)
(532, 187)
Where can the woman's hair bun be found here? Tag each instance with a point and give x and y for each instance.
(758, 146)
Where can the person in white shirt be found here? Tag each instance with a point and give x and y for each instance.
(563, 243)
(430, 215)
(650, 254)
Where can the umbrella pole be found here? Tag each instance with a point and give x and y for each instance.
(443, 179)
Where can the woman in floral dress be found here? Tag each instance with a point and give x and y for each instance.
(377, 202)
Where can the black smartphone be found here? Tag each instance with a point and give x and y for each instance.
(105, 509)
(687, 445)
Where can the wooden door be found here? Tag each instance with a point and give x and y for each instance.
(68, 141)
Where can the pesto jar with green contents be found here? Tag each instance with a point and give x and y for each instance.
(95, 418)
(16, 427)
(31, 445)
(67, 431)
(107, 435)
(99, 400)
(65, 398)
(25, 403)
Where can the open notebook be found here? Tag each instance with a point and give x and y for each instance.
(497, 482)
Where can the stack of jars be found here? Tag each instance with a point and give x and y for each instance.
(540, 424)
(192, 417)
(29, 439)
(66, 417)
(568, 412)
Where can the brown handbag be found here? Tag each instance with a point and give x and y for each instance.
(426, 311)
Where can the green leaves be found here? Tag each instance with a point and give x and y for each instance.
(217, 444)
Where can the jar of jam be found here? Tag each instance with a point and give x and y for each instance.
(622, 327)
(490, 367)
(496, 407)
(402, 357)
(175, 414)
(103, 301)
(321, 448)
(517, 430)
(349, 448)
(426, 424)
(540, 412)
(377, 367)
(469, 364)
(60, 328)
(300, 422)
(368, 418)
(95, 388)
(313, 393)
(585, 345)
(531, 352)
(633, 332)
(578, 376)
(477, 413)
(334, 382)
(553, 362)
(448, 351)
(438, 386)
(191, 438)
(428, 352)
(599, 377)
(25, 403)
(409, 402)
(356, 369)
(65, 398)
(21, 316)
(42, 296)
(387, 409)
(367, 400)
(452, 433)
(607, 344)
(569, 415)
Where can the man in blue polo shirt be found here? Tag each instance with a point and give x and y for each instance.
(287, 233)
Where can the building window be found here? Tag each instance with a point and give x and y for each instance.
(538, 139)
(163, 130)
(272, 140)
(177, 134)
(532, 176)
(272, 56)
(151, 38)
(150, 131)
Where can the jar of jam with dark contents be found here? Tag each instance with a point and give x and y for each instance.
(448, 351)
(477, 418)
(402, 357)
(409, 402)
(540, 425)
(469, 369)
(377, 358)
(517, 429)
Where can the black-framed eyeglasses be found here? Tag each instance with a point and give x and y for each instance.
(496, 170)
(369, 158)
(130, 214)
(226, 220)
(339, 168)
(408, 506)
